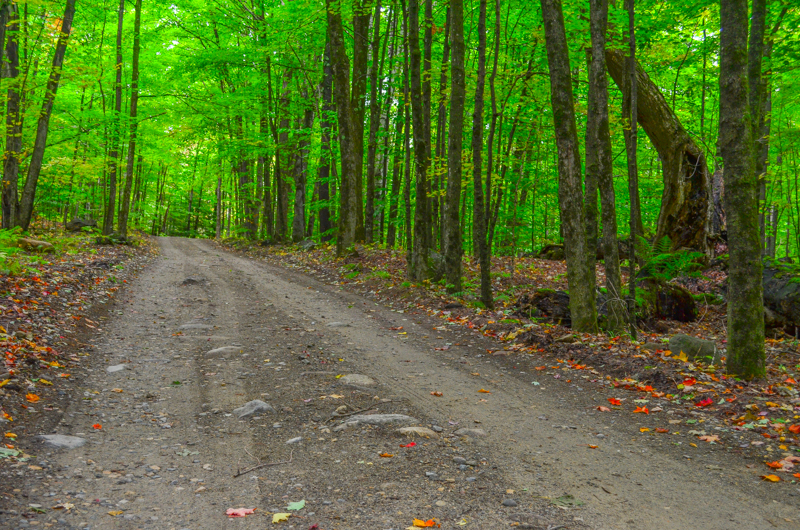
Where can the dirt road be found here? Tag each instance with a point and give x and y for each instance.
(203, 331)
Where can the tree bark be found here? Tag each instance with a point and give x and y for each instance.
(580, 276)
(362, 12)
(113, 154)
(479, 209)
(374, 124)
(324, 171)
(599, 165)
(13, 122)
(300, 169)
(126, 195)
(630, 106)
(451, 227)
(350, 201)
(685, 213)
(745, 289)
(418, 267)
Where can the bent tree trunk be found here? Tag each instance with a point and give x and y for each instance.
(685, 213)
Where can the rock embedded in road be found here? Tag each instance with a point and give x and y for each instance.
(471, 432)
(253, 407)
(357, 380)
(374, 419)
(417, 431)
(115, 368)
(63, 441)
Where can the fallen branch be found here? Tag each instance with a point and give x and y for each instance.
(336, 415)
(267, 464)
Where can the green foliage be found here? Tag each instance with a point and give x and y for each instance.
(661, 264)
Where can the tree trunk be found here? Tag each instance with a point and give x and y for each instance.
(350, 201)
(630, 106)
(479, 210)
(300, 169)
(745, 288)
(374, 124)
(418, 267)
(324, 171)
(755, 53)
(580, 276)
(362, 12)
(13, 122)
(113, 154)
(685, 213)
(599, 166)
(451, 228)
(282, 162)
(126, 195)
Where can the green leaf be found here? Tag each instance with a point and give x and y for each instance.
(299, 505)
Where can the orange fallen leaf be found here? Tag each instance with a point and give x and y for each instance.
(32, 398)
(771, 478)
(419, 523)
(386, 455)
(614, 401)
(709, 438)
(775, 465)
(644, 429)
(795, 429)
(97, 426)
(603, 409)
(796, 475)
(642, 410)
(437, 394)
(592, 446)
(662, 430)
(540, 368)
(482, 391)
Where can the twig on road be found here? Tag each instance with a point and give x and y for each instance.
(336, 415)
(266, 464)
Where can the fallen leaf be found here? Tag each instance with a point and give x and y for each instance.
(662, 430)
(10, 435)
(437, 394)
(64, 506)
(97, 426)
(796, 475)
(32, 398)
(419, 523)
(644, 429)
(771, 478)
(642, 410)
(775, 465)
(482, 391)
(115, 513)
(614, 401)
(386, 455)
(410, 444)
(117, 390)
(682, 357)
(278, 517)
(603, 409)
(299, 505)
(592, 446)
(704, 403)
(795, 429)
(709, 438)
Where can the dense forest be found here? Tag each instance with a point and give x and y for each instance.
(453, 130)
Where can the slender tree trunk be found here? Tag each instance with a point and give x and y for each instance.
(300, 170)
(453, 247)
(409, 236)
(126, 196)
(362, 12)
(479, 210)
(418, 268)
(374, 124)
(755, 53)
(599, 166)
(13, 122)
(324, 171)
(218, 216)
(350, 200)
(580, 277)
(113, 154)
(745, 289)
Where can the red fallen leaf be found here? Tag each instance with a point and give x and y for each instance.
(689, 381)
(97, 426)
(614, 401)
(437, 394)
(731, 399)
(313, 527)
(795, 429)
(410, 444)
(641, 409)
(239, 512)
(704, 403)
(775, 465)
(603, 409)
(790, 381)
(662, 430)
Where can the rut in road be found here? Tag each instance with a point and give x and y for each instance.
(205, 331)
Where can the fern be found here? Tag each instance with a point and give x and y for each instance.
(661, 264)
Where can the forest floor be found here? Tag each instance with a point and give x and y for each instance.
(516, 437)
